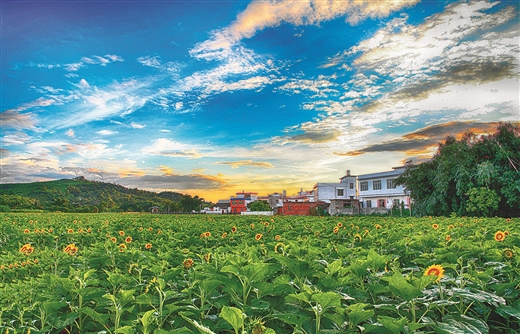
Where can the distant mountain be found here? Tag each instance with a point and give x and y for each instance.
(82, 195)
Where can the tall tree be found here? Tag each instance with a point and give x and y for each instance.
(476, 175)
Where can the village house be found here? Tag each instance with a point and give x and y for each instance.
(341, 197)
(378, 192)
(239, 203)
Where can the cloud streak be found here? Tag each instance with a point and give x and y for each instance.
(246, 163)
(263, 14)
(423, 140)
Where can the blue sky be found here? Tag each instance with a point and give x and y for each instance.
(214, 97)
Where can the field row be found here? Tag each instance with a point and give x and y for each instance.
(117, 273)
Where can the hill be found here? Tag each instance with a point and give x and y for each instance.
(82, 195)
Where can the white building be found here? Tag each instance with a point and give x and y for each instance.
(346, 189)
(378, 190)
(341, 196)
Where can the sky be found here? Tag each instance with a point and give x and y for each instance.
(211, 98)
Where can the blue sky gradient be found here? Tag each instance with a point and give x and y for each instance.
(214, 97)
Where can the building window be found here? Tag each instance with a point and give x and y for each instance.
(396, 203)
(369, 203)
(382, 203)
(390, 184)
(351, 185)
(340, 192)
(363, 186)
(377, 185)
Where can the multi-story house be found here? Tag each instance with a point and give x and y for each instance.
(239, 203)
(378, 191)
(341, 196)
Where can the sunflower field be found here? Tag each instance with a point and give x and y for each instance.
(142, 273)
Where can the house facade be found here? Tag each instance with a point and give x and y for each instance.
(341, 196)
(237, 205)
(379, 193)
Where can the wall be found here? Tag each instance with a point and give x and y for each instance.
(298, 209)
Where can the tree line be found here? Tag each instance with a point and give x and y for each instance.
(477, 175)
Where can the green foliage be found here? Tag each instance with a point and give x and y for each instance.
(259, 206)
(81, 195)
(482, 201)
(367, 276)
(463, 172)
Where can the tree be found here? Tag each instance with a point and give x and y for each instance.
(482, 201)
(474, 175)
(259, 206)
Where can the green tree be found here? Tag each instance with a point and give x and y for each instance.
(482, 201)
(259, 206)
(488, 164)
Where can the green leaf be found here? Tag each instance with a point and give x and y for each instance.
(327, 299)
(292, 319)
(461, 324)
(303, 296)
(334, 267)
(299, 268)
(393, 325)
(202, 329)
(400, 287)
(234, 316)
(508, 311)
(101, 318)
(479, 296)
(125, 330)
(356, 314)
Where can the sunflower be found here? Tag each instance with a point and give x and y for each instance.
(378, 226)
(252, 226)
(357, 237)
(148, 246)
(113, 239)
(448, 237)
(435, 226)
(71, 249)
(207, 234)
(234, 229)
(121, 233)
(128, 239)
(188, 263)
(450, 226)
(340, 225)
(27, 249)
(224, 235)
(500, 236)
(508, 220)
(435, 270)
(70, 231)
(335, 229)
(277, 237)
(26, 231)
(508, 254)
(258, 236)
(278, 248)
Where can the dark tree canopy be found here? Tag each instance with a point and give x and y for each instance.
(473, 176)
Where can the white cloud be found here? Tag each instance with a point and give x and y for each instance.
(137, 125)
(105, 132)
(167, 147)
(261, 14)
(70, 133)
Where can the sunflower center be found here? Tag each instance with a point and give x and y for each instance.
(434, 271)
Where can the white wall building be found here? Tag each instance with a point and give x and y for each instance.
(344, 190)
(378, 190)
